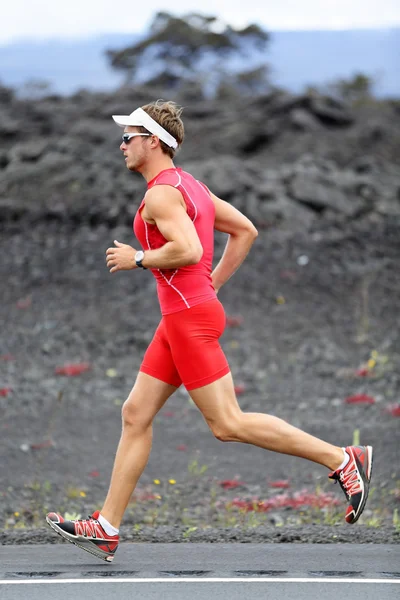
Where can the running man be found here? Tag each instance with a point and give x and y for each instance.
(175, 225)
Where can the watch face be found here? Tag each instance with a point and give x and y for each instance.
(139, 255)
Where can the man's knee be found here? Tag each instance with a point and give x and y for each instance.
(226, 430)
(133, 416)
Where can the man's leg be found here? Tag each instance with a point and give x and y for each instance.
(352, 468)
(147, 397)
(219, 406)
(98, 534)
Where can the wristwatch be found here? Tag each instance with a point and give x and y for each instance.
(139, 256)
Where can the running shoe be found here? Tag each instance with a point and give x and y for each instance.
(354, 480)
(88, 534)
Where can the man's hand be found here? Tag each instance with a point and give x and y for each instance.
(121, 258)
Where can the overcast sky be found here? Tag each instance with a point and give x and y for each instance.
(82, 18)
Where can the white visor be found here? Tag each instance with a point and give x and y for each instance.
(140, 118)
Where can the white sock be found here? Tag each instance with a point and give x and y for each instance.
(108, 528)
(345, 461)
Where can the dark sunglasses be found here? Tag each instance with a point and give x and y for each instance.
(126, 138)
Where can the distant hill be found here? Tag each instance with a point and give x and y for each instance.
(315, 57)
(297, 59)
(67, 64)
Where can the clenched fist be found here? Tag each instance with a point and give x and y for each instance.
(121, 258)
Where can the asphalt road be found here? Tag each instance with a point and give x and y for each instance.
(202, 571)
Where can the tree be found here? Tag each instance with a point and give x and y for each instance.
(355, 89)
(36, 89)
(177, 45)
(253, 81)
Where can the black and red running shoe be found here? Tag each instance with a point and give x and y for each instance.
(88, 534)
(354, 480)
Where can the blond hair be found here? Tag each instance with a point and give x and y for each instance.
(168, 115)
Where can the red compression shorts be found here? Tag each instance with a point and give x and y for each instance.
(185, 347)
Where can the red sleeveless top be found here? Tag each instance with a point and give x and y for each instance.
(184, 287)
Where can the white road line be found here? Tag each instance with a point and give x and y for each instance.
(107, 579)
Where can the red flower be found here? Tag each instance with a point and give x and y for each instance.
(299, 499)
(71, 370)
(291, 275)
(7, 357)
(239, 388)
(143, 497)
(230, 484)
(5, 391)
(94, 474)
(24, 302)
(234, 321)
(393, 410)
(363, 372)
(44, 444)
(182, 447)
(360, 399)
(280, 483)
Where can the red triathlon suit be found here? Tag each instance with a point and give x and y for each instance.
(185, 347)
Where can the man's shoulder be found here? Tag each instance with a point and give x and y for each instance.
(170, 177)
(161, 192)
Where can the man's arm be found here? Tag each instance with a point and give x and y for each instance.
(242, 234)
(164, 205)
